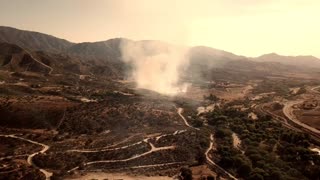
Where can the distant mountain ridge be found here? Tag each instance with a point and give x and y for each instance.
(109, 50)
(104, 53)
(33, 40)
(301, 61)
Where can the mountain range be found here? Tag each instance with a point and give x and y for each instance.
(22, 50)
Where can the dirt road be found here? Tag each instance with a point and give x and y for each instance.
(30, 157)
(108, 148)
(315, 89)
(51, 69)
(213, 163)
(180, 111)
(153, 149)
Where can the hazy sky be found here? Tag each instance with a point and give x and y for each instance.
(246, 27)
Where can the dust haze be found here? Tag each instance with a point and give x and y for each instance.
(156, 66)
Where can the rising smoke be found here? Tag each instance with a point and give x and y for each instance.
(156, 65)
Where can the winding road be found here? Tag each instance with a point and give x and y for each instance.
(50, 68)
(180, 111)
(110, 148)
(124, 147)
(213, 163)
(104, 149)
(294, 124)
(155, 165)
(30, 157)
(123, 93)
(316, 89)
(288, 112)
(261, 108)
(146, 140)
(153, 149)
(209, 149)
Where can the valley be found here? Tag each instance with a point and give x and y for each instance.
(74, 113)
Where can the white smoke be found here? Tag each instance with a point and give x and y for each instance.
(156, 65)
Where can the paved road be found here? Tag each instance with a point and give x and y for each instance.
(288, 112)
(282, 120)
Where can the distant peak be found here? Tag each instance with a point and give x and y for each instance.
(271, 54)
(274, 54)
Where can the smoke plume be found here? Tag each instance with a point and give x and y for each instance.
(156, 65)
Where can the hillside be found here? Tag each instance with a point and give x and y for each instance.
(104, 53)
(299, 61)
(33, 40)
(16, 59)
(103, 50)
